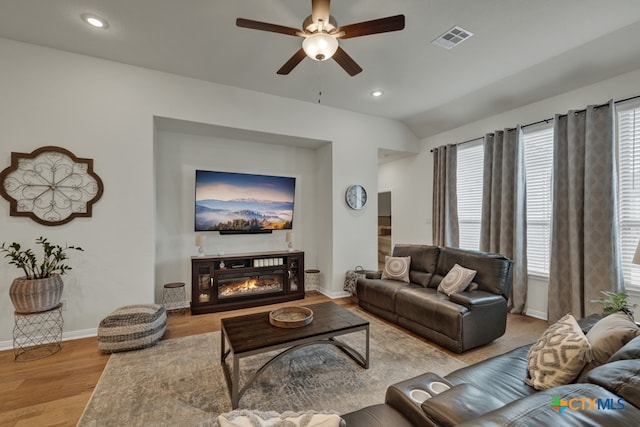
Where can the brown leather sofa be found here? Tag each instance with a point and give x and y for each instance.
(493, 393)
(458, 322)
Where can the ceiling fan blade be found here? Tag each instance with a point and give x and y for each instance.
(264, 26)
(292, 62)
(376, 26)
(320, 10)
(346, 62)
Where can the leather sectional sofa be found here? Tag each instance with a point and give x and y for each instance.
(458, 322)
(493, 393)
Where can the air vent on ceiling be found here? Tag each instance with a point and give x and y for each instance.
(452, 37)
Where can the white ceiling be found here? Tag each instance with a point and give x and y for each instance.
(523, 50)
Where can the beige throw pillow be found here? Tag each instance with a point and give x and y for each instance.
(396, 268)
(559, 355)
(456, 280)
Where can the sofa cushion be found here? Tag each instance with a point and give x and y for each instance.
(559, 355)
(630, 350)
(396, 268)
(427, 306)
(423, 261)
(493, 270)
(461, 403)
(379, 292)
(621, 377)
(539, 410)
(505, 374)
(456, 280)
(609, 335)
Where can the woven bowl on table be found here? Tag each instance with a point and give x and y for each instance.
(36, 295)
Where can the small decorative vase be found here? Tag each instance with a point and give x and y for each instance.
(36, 295)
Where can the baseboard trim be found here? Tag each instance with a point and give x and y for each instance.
(66, 336)
(537, 314)
(334, 295)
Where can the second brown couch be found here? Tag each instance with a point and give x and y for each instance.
(458, 322)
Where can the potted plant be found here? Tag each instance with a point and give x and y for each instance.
(40, 289)
(613, 302)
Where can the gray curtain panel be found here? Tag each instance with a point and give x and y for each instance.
(503, 228)
(584, 239)
(445, 202)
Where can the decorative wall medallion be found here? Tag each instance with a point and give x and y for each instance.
(51, 185)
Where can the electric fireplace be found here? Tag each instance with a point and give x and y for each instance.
(249, 285)
(227, 282)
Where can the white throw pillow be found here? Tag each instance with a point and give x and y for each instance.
(248, 418)
(456, 280)
(559, 355)
(396, 268)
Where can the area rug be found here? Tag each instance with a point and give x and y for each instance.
(181, 382)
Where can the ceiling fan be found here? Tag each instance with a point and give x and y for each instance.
(321, 33)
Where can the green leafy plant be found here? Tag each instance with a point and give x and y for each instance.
(613, 302)
(26, 260)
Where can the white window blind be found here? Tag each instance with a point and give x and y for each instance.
(629, 190)
(538, 159)
(469, 187)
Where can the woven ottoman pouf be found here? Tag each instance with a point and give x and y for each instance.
(132, 327)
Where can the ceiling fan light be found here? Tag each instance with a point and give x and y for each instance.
(320, 46)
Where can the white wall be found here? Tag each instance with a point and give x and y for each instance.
(178, 155)
(412, 181)
(325, 232)
(409, 180)
(105, 111)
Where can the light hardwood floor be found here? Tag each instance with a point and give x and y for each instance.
(54, 391)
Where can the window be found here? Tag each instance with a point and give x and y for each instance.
(538, 160)
(629, 190)
(469, 186)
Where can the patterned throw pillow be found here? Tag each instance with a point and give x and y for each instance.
(456, 280)
(255, 418)
(396, 268)
(559, 355)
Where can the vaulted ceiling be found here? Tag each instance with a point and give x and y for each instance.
(522, 51)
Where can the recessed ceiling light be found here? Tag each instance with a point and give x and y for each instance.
(95, 20)
(376, 93)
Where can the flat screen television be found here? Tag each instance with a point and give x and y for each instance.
(234, 203)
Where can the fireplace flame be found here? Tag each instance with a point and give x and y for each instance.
(249, 286)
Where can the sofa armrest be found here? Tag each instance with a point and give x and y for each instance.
(400, 396)
(485, 320)
(475, 298)
(461, 403)
(373, 274)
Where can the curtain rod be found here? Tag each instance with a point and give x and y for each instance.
(551, 118)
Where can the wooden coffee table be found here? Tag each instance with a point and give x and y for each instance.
(253, 334)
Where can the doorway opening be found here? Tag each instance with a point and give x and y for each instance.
(384, 227)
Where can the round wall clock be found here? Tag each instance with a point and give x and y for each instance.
(356, 196)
